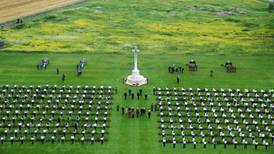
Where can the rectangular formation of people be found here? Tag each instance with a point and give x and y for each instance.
(54, 113)
(216, 116)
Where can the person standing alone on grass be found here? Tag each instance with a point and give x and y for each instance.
(57, 70)
(211, 73)
(178, 80)
(63, 77)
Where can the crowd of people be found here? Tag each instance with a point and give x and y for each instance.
(130, 94)
(216, 116)
(137, 112)
(132, 112)
(54, 114)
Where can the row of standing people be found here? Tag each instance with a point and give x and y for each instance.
(132, 112)
(130, 94)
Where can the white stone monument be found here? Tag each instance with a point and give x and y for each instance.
(136, 79)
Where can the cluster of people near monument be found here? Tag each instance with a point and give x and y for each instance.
(130, 94)
(134, 112)
(192, 66)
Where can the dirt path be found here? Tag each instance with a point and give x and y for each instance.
(12, 9)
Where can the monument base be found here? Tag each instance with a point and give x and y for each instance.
(135, 79)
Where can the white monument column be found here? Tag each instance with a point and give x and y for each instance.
(135, 58)
(135, 79)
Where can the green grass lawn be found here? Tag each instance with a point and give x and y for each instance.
(133, 135)
(167, 32)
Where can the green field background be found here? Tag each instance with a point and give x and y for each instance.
(134, 135)
(166, 32)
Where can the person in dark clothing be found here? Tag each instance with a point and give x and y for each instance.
(142, 111)
(129, 92)
(149, 113)
(132, 112)
(211, 73)
(117, 108)
(145, 111)
(178, 80)
(63, 78)
(180, 69)
(132, 96)
(140, 92)
(146, 96)
(137, 112)
(57, 70)
(17, 21)
(138, 96)
(172, 69)
(123, 110)
(125, 96)
(129, 112)
(164, 142)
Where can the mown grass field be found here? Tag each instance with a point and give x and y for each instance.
(167, 32)
(133, 135)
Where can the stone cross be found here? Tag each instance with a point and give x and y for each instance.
(135, 50)
(136, 79)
